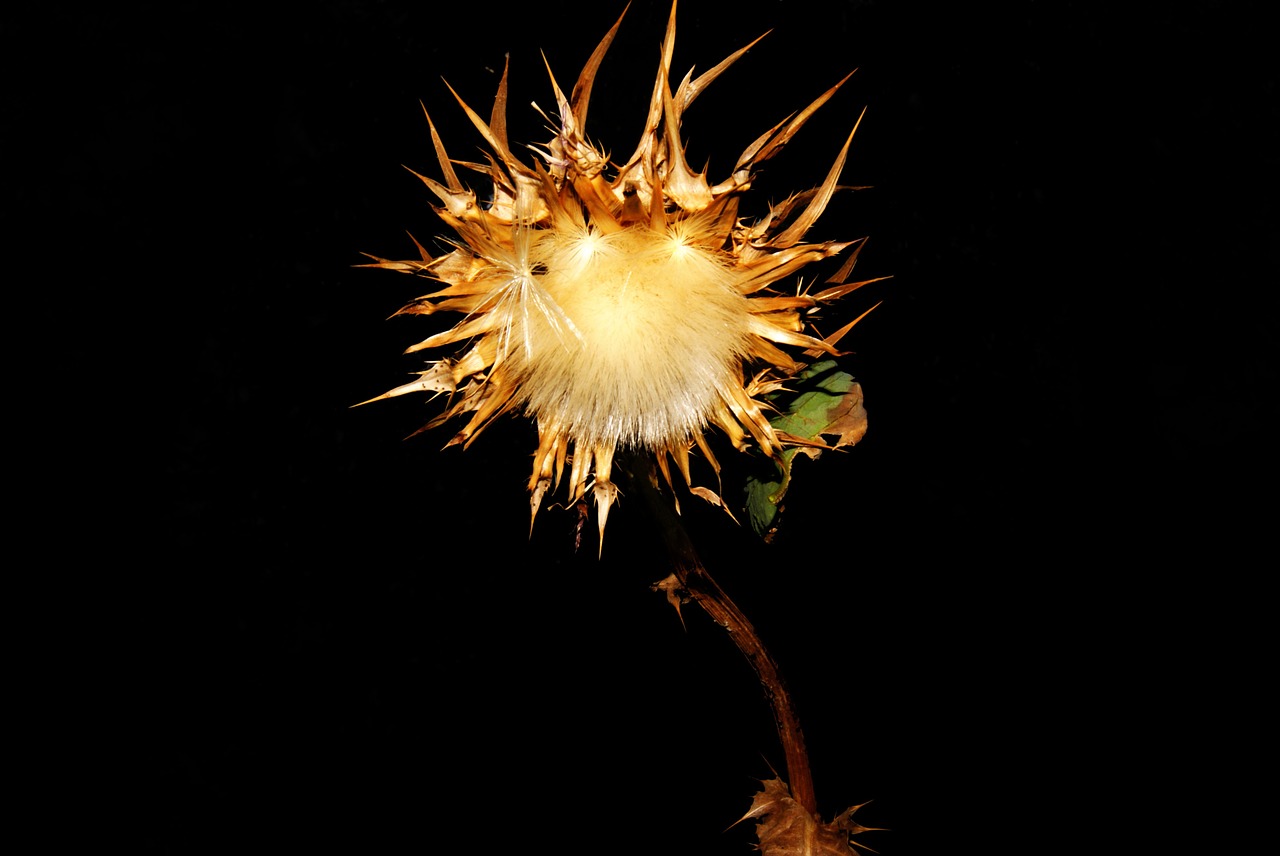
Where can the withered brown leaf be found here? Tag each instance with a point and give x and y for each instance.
(786, 829)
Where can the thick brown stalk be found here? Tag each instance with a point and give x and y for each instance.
(691, 579)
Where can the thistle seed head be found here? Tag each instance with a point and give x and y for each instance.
(620, 305)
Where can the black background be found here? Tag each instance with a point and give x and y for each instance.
(1029, 596)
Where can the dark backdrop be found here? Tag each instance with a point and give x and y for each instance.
(1028, 597)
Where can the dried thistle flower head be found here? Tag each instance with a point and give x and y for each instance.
(620, 305)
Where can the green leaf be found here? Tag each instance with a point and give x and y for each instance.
(827, 403)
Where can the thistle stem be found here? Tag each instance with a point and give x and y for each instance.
(692, 577)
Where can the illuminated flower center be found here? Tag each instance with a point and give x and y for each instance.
(648, 332)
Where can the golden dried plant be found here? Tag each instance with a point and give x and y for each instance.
(622, 306)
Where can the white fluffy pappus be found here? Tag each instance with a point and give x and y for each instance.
(659, 330)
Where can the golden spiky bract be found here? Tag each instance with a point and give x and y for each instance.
(620, 307)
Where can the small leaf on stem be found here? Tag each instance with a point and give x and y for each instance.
(827, 404)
